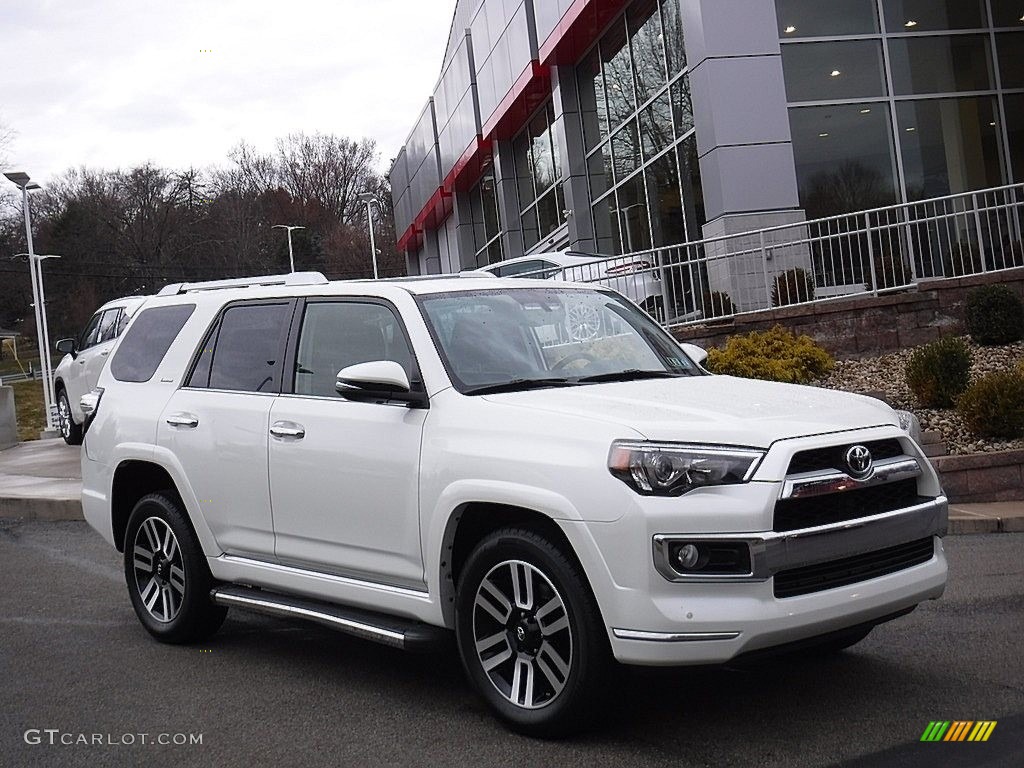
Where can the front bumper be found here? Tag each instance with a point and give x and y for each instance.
(714, 619)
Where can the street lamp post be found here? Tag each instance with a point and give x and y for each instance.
(370, 199)
(23, 181)
(291, 254)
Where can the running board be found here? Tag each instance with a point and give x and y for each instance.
(405, 634)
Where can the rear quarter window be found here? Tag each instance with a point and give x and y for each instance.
(147, 341)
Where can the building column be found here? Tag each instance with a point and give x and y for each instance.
(568, 132)
(747, 168)
(508, 199)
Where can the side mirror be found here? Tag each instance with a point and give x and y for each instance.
(67, 347)
(695, 353)
(378, 380)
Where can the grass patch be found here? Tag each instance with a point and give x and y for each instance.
(28, 402)
(9, 365)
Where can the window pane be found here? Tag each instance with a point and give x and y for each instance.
(844, 158)
(108, 326)
(543, 163)
(1011, 57)
(489, 201)
(926, 15)
(249, 346)
(940, 64)
(606, 227)
(592, 107)
(682, 106)
(656, 126)
(636, 231)
(530, 233)
(337, 335)
(693, 190)
(548, 214)
(666, 203)
(618, 74)
(673, 26)
(839, 70)
(89, 335)
(814, 18)
(1007, 13)
(648, 54)
(523, 164)
(949, 146)
(626, 150)
(1014, 106)
(143, 348)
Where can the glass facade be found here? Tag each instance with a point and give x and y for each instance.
(487, 231)
(638, 131)
(537, 159)
(899, 100)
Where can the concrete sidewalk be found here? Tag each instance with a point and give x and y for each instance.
(41, 480)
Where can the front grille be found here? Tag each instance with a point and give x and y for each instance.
(793, 514)
(850, 570)
(834, 457)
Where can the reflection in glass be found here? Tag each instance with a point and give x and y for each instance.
(1007, 13)
(531, 234)
(682, 106)
(928, 15)
(549, 213)
(693, 190)
(1011, 57)
(636, 229)
(626, 150)
(486, 220)
(1014, 107)
(656, 126)
(940, 64)
(541, 153)
(606, 226)
(618, 74)
(833, 70)
(674, 47)
(592, 105)
(646, 41)
(666, 204)
(820, 18)
(844, 158)
(949, 146)
(524, 168)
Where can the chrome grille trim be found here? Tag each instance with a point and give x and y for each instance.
(812, 484)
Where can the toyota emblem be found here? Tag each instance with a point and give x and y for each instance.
(858, 459)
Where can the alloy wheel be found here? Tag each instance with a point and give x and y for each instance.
(64, 416)
(159, 569)
(522, 634)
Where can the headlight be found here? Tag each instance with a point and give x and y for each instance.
(672, 469)
(910, 424)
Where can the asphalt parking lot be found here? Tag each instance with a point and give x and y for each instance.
(271, 692)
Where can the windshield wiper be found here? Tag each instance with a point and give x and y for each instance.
(518, 385)
(633, 374)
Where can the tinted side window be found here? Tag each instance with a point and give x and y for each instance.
(88, 337)
(144, 346)
(108, 325)
(250, 344)
(336, 335)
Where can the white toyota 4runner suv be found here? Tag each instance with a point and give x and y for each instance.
(537, 467)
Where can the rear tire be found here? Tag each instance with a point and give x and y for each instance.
(71, 432)
(530, 634)
(168, 580)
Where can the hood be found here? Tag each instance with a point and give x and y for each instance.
(711, 409)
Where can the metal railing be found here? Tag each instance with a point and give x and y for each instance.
(863, 253)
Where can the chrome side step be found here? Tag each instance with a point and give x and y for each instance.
(405, 634)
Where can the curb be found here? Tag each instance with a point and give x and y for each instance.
(35, 509)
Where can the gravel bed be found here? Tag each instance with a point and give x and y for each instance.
(886, 375)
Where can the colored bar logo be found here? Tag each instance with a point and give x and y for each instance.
(958, 730)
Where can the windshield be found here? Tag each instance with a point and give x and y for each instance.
(512, 338)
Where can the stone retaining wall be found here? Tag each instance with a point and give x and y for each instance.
(981, 477)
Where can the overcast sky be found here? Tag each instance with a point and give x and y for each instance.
(113, 83)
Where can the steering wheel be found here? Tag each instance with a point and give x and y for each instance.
(570, 359)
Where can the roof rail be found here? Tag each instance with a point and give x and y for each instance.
(293, 278)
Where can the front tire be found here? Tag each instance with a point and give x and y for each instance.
(168, 580)
(530, 634)
(71, 432)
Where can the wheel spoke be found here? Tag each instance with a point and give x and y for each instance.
(167, 600)
(143, 559)
(150, 594)
(522, 584)
(170, 544)
(152, 534)
(553, 679)
(549, 654)
(503, 653)
(556, 626)
(499, 612)
(522, 683)
(176, 579)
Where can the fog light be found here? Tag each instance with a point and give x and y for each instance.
(687, 556)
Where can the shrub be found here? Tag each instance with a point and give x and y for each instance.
(938, 372)
(774, 355)
(993, 406)
(793, 286)
(718, 304)
(995, 315)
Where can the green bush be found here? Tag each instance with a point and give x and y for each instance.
(774, 355)
(995, 315)
(939, 372)
(718, 304)
(794, 286)
(993, 406)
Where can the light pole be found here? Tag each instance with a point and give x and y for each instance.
(371, 199)
(291, 254)
(22, 180)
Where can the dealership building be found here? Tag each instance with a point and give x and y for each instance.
(616, 127)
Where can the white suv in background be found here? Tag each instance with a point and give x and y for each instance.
(84, 356)
(536, 467)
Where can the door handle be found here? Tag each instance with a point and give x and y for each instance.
(104, 354)
(183, 420)
(290, 429)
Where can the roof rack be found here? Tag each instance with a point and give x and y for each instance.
(293, 278)
(423, 278)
